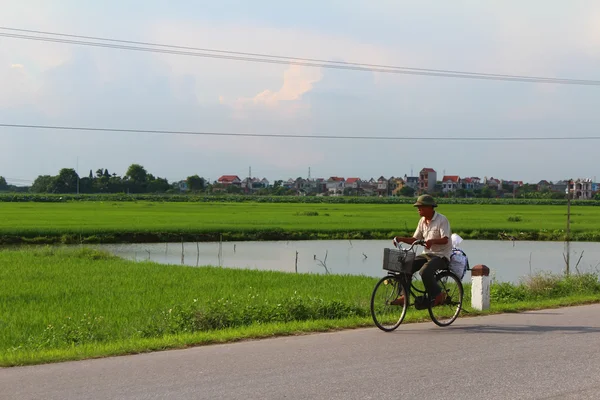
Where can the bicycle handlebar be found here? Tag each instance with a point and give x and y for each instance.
(419, 242)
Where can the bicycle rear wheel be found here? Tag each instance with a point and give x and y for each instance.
(386, 315)
(446, 313)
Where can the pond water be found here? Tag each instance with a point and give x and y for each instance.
(508, 261)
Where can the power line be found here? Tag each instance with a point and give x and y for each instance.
(267, 135)
(18, 180)
(263, 55)
(282, 60)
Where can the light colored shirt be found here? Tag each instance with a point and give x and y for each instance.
(437, 228)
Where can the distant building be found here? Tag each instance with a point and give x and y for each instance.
(471, 183)
(427, 180)
(412, 181)
(450, 183)
(382, 186)
(353, 183)
(581, 189)
(335, 185)
(227, 180)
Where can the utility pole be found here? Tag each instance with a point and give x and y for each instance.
(568, 257)
(77, 174)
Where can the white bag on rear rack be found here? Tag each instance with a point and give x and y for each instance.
(459, 262)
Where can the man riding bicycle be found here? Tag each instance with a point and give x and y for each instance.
(434, 229)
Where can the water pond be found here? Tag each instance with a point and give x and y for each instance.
(508, 261)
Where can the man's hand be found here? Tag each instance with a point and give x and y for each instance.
(400, 239)
(431, 242)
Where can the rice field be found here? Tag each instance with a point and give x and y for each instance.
(90, 222)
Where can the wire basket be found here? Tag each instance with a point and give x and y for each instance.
(398, 260)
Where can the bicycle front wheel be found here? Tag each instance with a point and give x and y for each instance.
(446, 313)
(387, 308)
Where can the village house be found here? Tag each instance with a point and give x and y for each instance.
(581, 189)
(427, 180)
(227, 180)
(543, 184)
(411, 181)
(492, 183)
(471, 183)
(396, 184)
(368, 187)
(317, 186)
(335, 185)
(450, 183)
(353, 183)
(253, 184)
(382, 186)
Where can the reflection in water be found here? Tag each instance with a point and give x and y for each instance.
(507, 260)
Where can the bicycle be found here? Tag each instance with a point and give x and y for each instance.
(399, 282)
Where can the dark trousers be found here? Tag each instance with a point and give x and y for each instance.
(427, 265)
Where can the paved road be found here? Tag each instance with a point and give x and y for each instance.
(535, 355)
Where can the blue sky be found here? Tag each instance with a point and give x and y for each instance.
(58, 84)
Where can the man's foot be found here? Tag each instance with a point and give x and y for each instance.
(398, 302)
(439, 299)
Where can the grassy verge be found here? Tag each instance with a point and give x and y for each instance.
(138, 222)
(58, 304)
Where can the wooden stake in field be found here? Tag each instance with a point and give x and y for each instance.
(568, 255)
(197, 254)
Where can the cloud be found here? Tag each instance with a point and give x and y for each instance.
(287, 101)
(297, 80)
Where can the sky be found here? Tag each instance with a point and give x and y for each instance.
(57, 84)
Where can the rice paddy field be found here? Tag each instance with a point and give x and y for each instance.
(148, 221)
(61, 304)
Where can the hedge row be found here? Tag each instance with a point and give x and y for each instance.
(52, 198)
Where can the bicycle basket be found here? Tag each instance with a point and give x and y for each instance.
(398, 260)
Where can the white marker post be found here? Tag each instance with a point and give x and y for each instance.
(480, 287)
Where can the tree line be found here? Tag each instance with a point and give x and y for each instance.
(136, 180)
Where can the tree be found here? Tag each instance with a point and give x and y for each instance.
(487, 192)
(86, 185)
(106, 173)
(137, 174)
(233, 189)
(99, 173)
(65, 182)
(42, 184)
(195, 183)
(3, 184)
(158, 185)
(407, 191)
(91, 176)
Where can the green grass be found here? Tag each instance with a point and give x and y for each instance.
(65, 304)
(96, 222)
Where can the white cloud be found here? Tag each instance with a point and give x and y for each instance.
(285, 102)
(297, 80)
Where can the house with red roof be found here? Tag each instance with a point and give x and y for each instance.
(492, 183)
(427, 180)
(353, 183)
(450, 183)
(227, 180)
(471, 183)
(335, 185)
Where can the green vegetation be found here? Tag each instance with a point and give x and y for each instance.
(61, 304)
(230, 198)
(142, 221)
